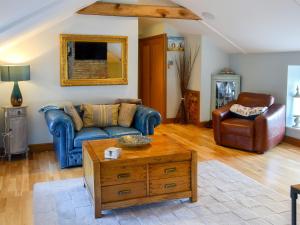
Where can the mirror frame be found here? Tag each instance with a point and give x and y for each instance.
(64, 78)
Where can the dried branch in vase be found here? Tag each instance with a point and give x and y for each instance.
(184, 65)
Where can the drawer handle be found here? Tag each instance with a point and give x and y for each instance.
(172, 185)
(170, 170)
(123, 175)
(124, 192)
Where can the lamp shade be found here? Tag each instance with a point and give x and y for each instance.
(15, 73)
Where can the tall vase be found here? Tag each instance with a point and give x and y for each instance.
(181, 113)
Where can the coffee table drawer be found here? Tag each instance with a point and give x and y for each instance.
(123, 192)
(167, 170)
(169, 185)
(122, 174)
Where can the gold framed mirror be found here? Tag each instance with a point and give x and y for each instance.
(93, 60)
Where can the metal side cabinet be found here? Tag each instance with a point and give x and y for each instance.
(16, 135)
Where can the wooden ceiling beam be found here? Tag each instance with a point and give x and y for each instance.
(134, 10)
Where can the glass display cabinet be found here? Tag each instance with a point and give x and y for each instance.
(225, 88)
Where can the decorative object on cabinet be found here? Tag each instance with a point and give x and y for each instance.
(15, 73)
(175, 43)
(227, 71)
(225, 88)
(296, 108)
(192, 100)
(15, 140)
(184, 65)
(93, 60)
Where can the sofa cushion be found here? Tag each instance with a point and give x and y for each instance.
(100, 115)
(91, 133)
(238, 127)
(72, 112)
(126, 114)
(121, 131)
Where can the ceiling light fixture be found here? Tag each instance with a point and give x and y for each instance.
(208, 15)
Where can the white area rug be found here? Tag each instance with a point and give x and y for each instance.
(226, 197)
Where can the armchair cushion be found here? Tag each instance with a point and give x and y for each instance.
(121, 131)
(90, 133)
(239, 127)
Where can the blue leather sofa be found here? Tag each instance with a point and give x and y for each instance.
(68, 143)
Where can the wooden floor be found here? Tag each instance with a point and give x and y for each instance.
(277, 169)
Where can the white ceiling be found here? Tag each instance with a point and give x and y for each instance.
(239, 25)
(253, 25)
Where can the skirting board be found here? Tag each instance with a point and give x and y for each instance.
(292, 141)
(41, 147)
(202, 124)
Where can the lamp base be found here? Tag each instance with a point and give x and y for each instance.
(16, 96)
(297, 122)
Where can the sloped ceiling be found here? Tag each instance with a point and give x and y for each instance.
(238, 26)
(20, 19)
(254, 26)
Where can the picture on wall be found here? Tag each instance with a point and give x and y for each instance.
(93, 60)
(175, 43)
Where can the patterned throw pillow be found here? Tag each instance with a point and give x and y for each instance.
(100, 115)
(244, 112)
(72, 112)
(126, 114)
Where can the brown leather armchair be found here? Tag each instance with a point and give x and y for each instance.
(259, 135)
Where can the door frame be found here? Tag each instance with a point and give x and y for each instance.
(164, 97)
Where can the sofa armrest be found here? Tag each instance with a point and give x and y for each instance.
(269, 128)
(146, 119)
(217, 116)
(60, 125)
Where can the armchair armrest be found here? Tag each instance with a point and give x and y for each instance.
(146, 119)
(269, 128)
(60, 125)
(217, 116)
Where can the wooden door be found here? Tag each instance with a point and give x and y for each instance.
(152, 72)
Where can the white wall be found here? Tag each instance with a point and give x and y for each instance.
(267, 73)
(173, 84)
(42, 53)
(213, 59)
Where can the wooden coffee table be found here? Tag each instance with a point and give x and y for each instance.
(163, 170)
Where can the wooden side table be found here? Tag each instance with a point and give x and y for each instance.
(295, 190)
(15, 130)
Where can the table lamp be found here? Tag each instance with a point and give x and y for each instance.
(15, 73)
(296, 108)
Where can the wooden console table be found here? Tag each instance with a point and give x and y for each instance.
(161, 171)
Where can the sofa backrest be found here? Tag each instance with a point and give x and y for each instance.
(249, 99)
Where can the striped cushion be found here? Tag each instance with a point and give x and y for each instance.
(100, 115)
